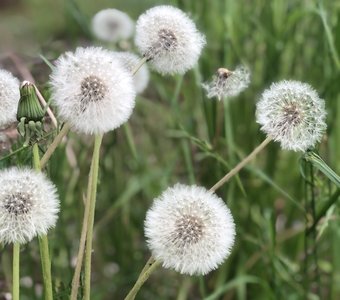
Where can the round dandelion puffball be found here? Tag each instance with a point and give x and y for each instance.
(168, 38)
(292, 113)
(28, 205)
(112, 25)
(130, 61)
(228, 83)
(189, 229)
(9, 97)
(92, 90)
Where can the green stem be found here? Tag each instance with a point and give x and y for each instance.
(240, 165)
(57, 140)
(148, 269)
(130, 140)
(93, 193)
(140, 64)
(16, 270)
(80, 256)
(43, 240)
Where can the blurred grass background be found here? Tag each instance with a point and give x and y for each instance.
(177, 135)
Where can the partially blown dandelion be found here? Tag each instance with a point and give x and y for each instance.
(130, 61)
(28, 205)
(92, 90)
(292, 113)
(167, 37)
(228, 83)
(9, 97)
(189, 229)
(112, 25)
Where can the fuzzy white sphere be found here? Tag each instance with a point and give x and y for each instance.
(189, 229)
(92, 90)
(112, 25)
(167, 37)
(228, 83)
(130, 61)
(292, 113)
(29, 205)
(9, 97)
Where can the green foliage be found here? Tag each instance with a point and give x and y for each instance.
(176, 134)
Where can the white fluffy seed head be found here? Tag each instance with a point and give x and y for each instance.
(130, 61)
(167, 37)
(227, 83)
(189, 229)
(29, 205)
(292, 113)
(9, 97)
(112, 25)
(92, 90)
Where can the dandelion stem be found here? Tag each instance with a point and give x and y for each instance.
(16, 269)
(140, 64)
(90, 220)
(244, 162)
(80, 256)
(57, 140)
(148, 269)
(43, 240)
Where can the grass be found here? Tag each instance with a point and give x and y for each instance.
(173, 129)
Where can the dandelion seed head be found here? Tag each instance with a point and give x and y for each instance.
(226, 83)
(92, 90)
(28, 205)
(189, 229)
(169, 39)
(130, 61)
(292, 113)
(9, 97)
(112, 25)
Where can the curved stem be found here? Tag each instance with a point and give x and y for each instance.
(90, 220)
(148, 269)
(57, 140)
(16, 270)
(140, 64)
(244, 162)
(43, 241)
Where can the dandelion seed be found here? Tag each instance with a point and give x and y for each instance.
(292, 113)
(9, 97)
(189, 229)
(92, 90)
(28, 205)
(112, 25)
(169, 39)
(227, 83)
(130, 61)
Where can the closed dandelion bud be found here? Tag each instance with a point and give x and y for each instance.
(9, 97)
(130, 61)
(169, 39)
(189, 229)
(112, 25)
(92, 90)
(292, 113)
(228, 83)
(28, 205)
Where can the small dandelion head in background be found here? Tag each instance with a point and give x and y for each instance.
(189, 229)
(29, 205)
(92, 90)
(169, 39)
(130, 61)
(9, 97)
(292, 113)
(112, 25)
(226, 83)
